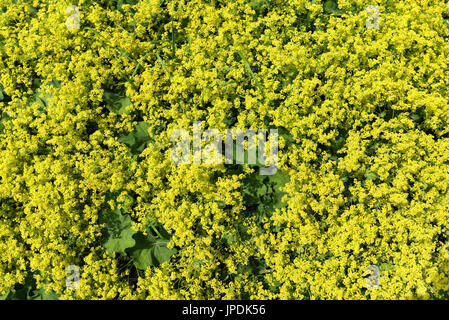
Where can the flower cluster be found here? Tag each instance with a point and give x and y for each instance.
(86, 177)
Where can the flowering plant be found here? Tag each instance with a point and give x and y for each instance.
(91, 90)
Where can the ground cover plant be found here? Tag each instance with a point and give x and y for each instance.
(92, 207)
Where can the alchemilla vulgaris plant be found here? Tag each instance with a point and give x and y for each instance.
(93, 94)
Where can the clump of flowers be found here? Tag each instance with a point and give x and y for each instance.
(86, 178)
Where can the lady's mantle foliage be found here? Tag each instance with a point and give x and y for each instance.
(85, 171)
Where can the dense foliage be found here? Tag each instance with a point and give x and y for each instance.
(85, 171)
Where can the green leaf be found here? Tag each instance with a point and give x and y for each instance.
(229, 238)
(150, 251)
(19, 294)
(287, 136)
(279, 179)
(3, 119)
(162, 253)
(262, 195)
(331, 7)
(22, 290)
(229, 121)
(385, 267)
(419, 115)
(138, 139)
(371, 175)
(117, 103)
(42, 294)
(127, 139)
(119, 231)
(5, 296)
(141, 132)
(445, 21)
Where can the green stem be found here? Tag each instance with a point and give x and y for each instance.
(251, 73)
(163, 64)
(156, 231)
